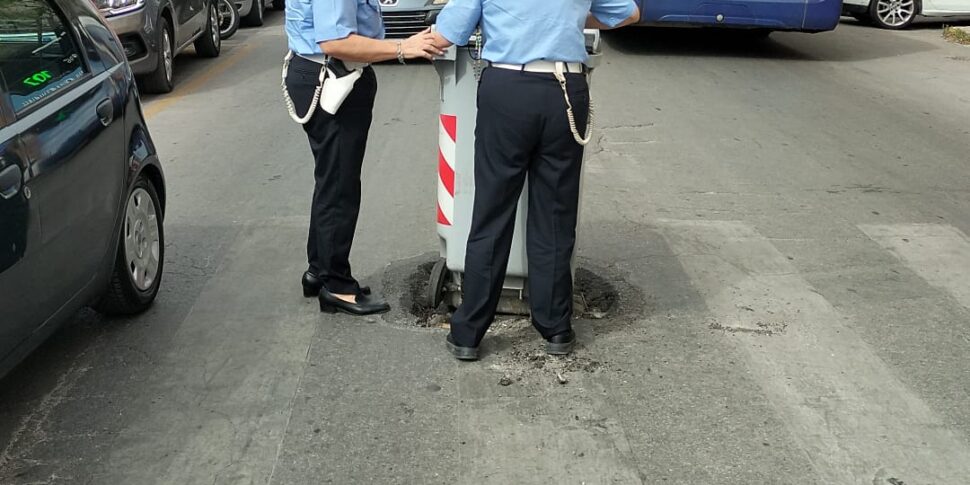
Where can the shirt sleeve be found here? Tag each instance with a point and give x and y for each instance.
(459, 19)
(334, 19)
(612, 12)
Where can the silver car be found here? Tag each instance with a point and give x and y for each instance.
(404, 18)
(251, 11)
(153, 32)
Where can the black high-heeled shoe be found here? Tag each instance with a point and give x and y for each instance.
(312, 286)
(365, 305)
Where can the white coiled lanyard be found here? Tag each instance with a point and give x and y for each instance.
(290, 107)
(561, 77)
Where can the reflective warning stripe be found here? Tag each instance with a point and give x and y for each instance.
(447, 131)
(446, 174)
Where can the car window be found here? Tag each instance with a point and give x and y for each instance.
(38, 54)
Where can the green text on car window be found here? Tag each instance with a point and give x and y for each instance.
(38, 78)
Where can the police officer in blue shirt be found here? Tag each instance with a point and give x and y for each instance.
(342, 36)
(535, 79)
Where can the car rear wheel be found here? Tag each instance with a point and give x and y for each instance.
(228, 19)
(279, 4)
(161, 79)
(210, 43)
(893, 14)
(255, 16)
(141, 254)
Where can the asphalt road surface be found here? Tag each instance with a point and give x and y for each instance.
(776, 234)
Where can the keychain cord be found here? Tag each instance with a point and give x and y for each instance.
(569, 110)
(289, 101)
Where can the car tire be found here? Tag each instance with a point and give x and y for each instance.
(210, 44)
(229, 21)
(894, 14)
(279, 4)
(255, 16)
(161, 80)
(138, 265)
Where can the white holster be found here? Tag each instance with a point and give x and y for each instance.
(330, 93)
(336, 89)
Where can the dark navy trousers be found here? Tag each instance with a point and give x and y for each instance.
(338, 143)
(523, 136)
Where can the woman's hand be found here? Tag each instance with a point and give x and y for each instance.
(357, 48)
(421, 45)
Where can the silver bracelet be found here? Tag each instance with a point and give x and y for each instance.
(400, 52)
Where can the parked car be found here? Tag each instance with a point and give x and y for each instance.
(82, 193)
(404, 18)
(251, 12)
(899, 14)
(153, 32)
(756, 18)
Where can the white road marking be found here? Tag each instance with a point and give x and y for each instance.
(548, 440)
(940, 254)
(853, 418)
(235, 365)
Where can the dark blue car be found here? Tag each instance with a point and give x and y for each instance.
(81, 189)
(758, 15)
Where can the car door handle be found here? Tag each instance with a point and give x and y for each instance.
(106, 112)
(11, 179)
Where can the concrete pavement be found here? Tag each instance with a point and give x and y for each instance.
(785, 224)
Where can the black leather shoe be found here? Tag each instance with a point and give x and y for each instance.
(365, 305)
(461, 353)
(312, 286)
(561, 343)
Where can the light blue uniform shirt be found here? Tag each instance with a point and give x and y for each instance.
(309, 22)
(522, 31)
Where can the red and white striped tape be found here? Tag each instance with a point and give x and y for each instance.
(447, 131)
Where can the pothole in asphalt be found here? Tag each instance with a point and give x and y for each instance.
(405, 287)
(604, 302)
(599, 294)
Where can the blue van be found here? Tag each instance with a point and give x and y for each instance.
(761, 15)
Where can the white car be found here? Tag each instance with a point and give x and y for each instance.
(899, 14)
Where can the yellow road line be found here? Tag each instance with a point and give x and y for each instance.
(197, 82)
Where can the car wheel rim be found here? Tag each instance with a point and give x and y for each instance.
(141, 239)
(225, 17)
(167, 55)
(214, 23)
(259, 4)
(895, 13)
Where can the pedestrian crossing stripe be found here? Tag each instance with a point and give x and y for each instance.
(940, 254)
(842, 403)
